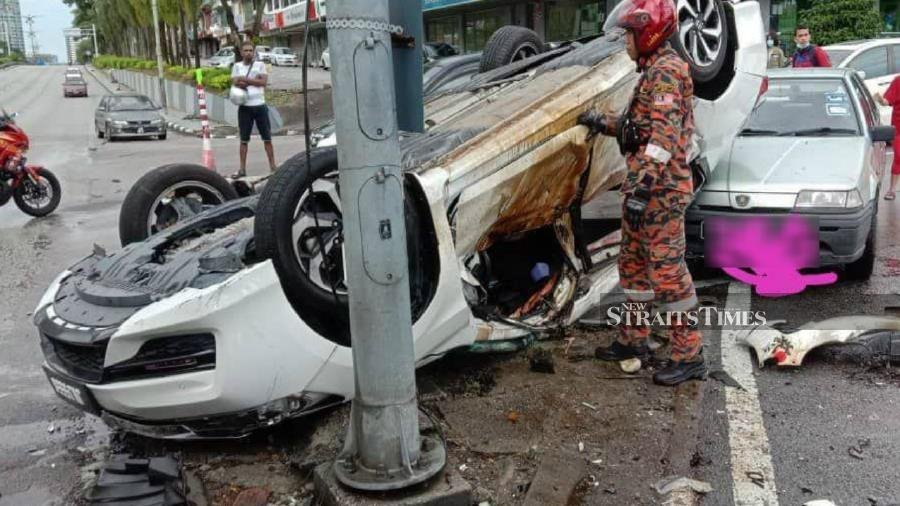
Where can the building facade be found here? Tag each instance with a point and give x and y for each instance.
(284, 23)
(11, 31)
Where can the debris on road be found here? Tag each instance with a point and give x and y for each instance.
(819, 502)
(558, 475)
(541, 360)
(590, 406)
(756, 478)
(128, 481)
(724, 378)
(630, 366)
(670, 484)
(878, 333)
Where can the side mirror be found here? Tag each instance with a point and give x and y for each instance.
(882, 133)
(861, 74)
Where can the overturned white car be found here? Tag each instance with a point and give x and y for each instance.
(236, 318)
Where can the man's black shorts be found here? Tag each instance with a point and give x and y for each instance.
(249, 114)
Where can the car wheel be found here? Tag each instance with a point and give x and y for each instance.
(169, 194)
(99, 132)
(162, 136)
(702, 37)
(861, 269)
(509, 44)
(299, 226)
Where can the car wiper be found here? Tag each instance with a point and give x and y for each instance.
(756, 131)
(821, 131)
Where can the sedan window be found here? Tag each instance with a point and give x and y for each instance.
(804, 107)
(873, 62)
(125, 103)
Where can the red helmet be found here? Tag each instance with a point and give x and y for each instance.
(652, 21)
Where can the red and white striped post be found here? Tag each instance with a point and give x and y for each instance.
(209, 160)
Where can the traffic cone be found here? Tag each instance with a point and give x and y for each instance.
(209, 161)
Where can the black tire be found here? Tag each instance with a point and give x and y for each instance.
(323, 310)
(99, 132)
(21, 193)
(707, 68)
(162, 136)
(143, 197)
(862, 269)
(509, 44)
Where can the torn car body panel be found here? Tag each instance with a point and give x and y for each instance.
(790, 349)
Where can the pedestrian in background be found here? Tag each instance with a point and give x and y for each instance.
(808, 54)
(891, 97)
(250, 74)
(777, 59)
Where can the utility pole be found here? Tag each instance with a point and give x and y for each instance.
(94, 33)
(383, 449)
(159, 61)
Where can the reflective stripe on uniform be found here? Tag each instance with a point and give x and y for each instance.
(657, 153)
(679, 305)
(638, 295)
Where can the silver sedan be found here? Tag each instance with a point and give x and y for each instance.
(120, 116)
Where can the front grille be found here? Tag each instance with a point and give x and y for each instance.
(84, 362)
(147, 130)
(167, 355)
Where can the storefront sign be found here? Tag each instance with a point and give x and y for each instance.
(294, 15)
(429, 5)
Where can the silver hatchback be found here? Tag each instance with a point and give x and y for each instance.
(814, 147)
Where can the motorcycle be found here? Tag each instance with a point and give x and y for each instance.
(35, 189)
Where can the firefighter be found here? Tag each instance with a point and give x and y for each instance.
(654, 135)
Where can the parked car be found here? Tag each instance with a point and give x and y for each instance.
(812, 148)
(325, 59)
(75, 87)
(224, 58)
(878, 60)
(264, 54)
(129, 115)
(236, 316)
(284, 56)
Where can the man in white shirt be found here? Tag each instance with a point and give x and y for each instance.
(251, 76)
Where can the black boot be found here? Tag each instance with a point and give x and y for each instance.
(617, 352)
(679, 372)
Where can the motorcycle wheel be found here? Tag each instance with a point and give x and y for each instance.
(41, 199)
(169, 194)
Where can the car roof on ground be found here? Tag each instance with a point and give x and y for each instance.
(809, 72)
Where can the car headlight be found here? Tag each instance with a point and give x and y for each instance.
(828, 199)
(119, 122)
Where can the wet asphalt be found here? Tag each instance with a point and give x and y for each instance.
(812, 415)
(42, 439)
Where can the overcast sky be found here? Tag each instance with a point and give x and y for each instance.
(52, 16)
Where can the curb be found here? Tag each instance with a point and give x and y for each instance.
(195, 132)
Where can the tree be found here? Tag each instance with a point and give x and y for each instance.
(251, 29)
(85, 50)
(832, 21)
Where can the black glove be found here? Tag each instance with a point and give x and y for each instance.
(636, 204)
(595, 121)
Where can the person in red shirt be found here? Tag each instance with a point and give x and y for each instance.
(807, 54)
(891, 97)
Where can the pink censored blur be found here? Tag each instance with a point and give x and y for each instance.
(766, 252)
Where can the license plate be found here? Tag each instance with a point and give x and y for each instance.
(74, 393)
(140, 130)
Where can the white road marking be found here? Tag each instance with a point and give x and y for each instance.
(750, 454)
